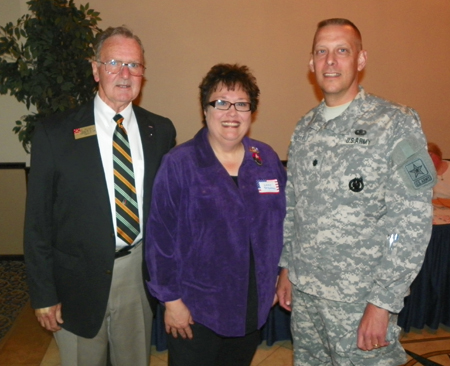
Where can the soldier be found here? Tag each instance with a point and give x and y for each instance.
(359, 213)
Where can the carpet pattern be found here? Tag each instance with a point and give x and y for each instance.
(426, 358)
(433, 349)
(13, 292)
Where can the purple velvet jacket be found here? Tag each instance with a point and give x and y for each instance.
(200, 228)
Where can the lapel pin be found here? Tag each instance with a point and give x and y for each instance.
(255, 155)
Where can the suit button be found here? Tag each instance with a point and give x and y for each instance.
(108, 271)
(113, 235)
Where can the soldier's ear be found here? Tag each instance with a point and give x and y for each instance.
(311, 64)
(362, 60)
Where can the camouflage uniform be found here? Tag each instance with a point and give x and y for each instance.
(325, 334)
(359, 208)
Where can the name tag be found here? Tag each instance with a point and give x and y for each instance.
(268, 186)
(79, 133)
(357, 141)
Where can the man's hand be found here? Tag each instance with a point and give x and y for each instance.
(373, 328)
(50, 317)
(178, 319)
(284, 290)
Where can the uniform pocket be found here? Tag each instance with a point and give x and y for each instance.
(347, 345)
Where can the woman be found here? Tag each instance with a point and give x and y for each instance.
(214, 235)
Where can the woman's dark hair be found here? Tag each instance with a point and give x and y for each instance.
(231, 77)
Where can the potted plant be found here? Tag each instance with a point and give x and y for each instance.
(44, 60)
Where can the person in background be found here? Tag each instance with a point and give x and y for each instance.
(215, 229)
(442, 187)
(89, 192)
(358, 215)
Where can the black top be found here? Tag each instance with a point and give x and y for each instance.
(251, 323)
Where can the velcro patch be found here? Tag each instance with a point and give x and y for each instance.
(414, 165)
(418, 173)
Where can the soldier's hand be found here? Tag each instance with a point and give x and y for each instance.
(284, 290)
(373, 328)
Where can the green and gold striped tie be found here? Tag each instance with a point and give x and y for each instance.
(127, 213)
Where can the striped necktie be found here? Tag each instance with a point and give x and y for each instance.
(127, 213)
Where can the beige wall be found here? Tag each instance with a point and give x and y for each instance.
(12, 211)
(407, 43)
(11, 150)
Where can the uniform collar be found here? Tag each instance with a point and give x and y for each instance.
(345, 121)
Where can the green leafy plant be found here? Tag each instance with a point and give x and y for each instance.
(44, 60)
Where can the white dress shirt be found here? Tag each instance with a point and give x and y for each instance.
(105, 126)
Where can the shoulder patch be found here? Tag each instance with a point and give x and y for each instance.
(414, 165)
(418, 173)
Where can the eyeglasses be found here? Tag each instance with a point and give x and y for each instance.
(225, 105)
(115, 66)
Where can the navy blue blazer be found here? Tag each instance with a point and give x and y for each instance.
(69, 239)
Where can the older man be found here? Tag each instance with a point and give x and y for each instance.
(358, 213)
(91, 176)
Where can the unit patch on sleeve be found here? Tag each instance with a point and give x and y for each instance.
(414, 165)
(418, 173)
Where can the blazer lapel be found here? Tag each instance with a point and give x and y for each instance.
(88, 150)
(148, 131)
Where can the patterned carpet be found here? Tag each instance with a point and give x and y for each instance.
(428, 347)
(13, 292)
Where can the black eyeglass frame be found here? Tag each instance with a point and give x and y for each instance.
(213, 104)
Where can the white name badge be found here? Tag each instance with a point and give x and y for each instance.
(268, 186)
